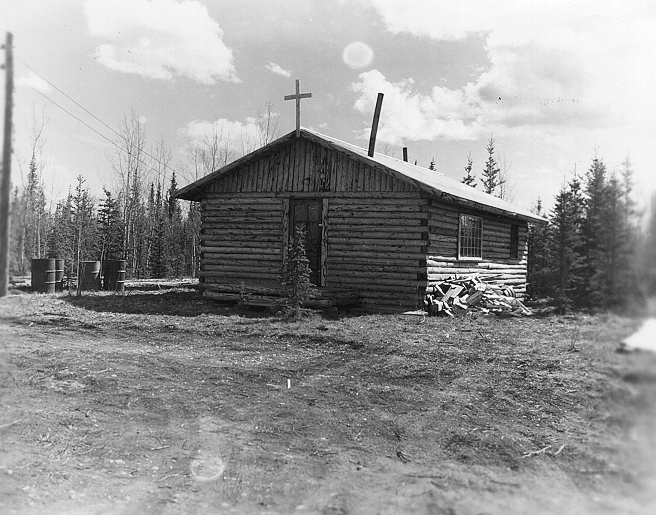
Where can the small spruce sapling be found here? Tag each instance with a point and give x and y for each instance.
(296, 275)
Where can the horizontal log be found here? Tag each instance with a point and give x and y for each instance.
(392, 242)
(217, 251)
(381, 231)
(481, 271)
(374, 275)
(378, 222)
(444, 225)
(242, 227)
(242, 220)
(215, 240)
(245, 268)
(360, 208)
(377, 249)
(241, 206)
(255, 266)
(253, 300)
(392, 195)
(369, 215)
(274, 289)
(479, 265)
(363, 233)
(335, 266)
(364, 202)
(268, 254)
(394, 291)
(374, 254)
(218, 277)
(361, 281)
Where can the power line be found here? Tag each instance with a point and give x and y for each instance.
(165, 166)
(94, 130)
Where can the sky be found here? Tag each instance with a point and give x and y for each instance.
(555, 83)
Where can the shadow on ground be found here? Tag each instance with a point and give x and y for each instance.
(185, 302)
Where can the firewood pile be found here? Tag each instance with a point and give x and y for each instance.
(473, 294)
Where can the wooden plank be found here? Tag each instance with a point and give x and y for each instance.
(324, 241)
(332, 156)
(347, 241)
(303, 165)
(285, 229)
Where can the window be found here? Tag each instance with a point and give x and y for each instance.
(470, 242)
(514, 241)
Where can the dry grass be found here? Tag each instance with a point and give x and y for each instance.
(163, 402)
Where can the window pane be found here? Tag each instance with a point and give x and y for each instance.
(471, 236)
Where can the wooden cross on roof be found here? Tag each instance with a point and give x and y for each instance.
(298, 97)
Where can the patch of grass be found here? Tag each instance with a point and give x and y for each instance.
(284, 403)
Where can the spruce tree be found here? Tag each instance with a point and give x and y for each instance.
(296, 274)
(490, 179)
(564, 240)
(110, 228)
(538, 264)
(648, 261)
(596, 196)
(469, 179)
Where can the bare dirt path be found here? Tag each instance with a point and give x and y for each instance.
(160, 402)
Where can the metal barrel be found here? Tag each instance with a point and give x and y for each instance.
(114, 275)
(90, 275)
(43, 275)
(59, 275)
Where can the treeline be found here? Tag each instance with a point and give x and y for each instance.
(138, 220)
(162, 241)
(591, 252)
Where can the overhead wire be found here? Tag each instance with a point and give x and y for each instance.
(165, 166)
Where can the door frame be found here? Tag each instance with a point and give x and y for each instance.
(287, 227)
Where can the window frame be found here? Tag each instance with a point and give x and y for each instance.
(475, 239)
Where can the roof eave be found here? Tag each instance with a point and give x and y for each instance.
(194, 191)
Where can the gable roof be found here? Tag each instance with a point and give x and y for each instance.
(430, 181)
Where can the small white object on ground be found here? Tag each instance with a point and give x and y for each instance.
(644, 338)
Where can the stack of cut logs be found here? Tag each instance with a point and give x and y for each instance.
(471, 293)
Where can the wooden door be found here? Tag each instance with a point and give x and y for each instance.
(306, 215)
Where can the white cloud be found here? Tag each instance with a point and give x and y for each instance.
(406, 114)
(232, 138)
(34, 81)
(160, 39)
(277, 69)
(553, 64)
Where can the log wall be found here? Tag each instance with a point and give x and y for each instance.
(382, 238)
(241, 242)
(377, 246)
(496, 266)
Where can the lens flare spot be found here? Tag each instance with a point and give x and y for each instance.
(358, 55)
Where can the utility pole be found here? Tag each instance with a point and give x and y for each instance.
(5, 182)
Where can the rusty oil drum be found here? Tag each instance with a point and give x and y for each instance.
(114, 275)
(43, 275)
(90, 275)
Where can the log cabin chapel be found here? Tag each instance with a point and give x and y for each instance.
(378, 229)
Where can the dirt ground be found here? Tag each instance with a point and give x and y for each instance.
(159, 402)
